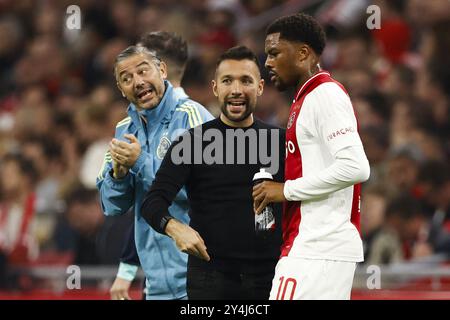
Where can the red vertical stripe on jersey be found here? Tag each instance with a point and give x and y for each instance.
(356, 213)
(292, 170)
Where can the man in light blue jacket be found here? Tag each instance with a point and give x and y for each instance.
(156, 116)
(173, 50)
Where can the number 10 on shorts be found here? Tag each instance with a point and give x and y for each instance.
(287, 286)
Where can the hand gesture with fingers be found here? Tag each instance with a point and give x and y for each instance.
(267, 192)
(125, 153)
(187, 239)
(119, 171)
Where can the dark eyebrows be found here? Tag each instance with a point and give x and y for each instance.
(228, 76)
(122, 72)
(143, 62)
(140, 64)
(247, 77)
(272, 49)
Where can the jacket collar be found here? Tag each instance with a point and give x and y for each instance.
(180, 93)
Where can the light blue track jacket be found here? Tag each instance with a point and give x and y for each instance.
(163, 263)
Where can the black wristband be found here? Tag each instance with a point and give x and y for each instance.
(163, 223)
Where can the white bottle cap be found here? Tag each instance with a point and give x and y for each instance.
(262, 174)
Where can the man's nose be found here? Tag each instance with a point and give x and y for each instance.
(236, 88)
(138, 81)
(268, 63)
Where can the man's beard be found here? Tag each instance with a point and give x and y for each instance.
(248, 111)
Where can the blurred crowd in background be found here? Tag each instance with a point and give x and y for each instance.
(59, 106)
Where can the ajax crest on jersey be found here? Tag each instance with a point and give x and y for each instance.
(163, 146)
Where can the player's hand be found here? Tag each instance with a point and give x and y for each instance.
(267, 192)
(187, 239)
(119, 171)
(119, 289)
(125, 153)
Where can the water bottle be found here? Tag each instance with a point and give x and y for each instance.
(265, 221)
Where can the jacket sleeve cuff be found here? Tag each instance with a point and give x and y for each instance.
(118, 184)
(286, 190)
(127, 271)
(157, 219)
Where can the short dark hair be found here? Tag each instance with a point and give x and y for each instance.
(302, 28)
(238, 53)
(166, 45)
(131, 50)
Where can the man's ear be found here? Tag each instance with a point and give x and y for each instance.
(163, 69)
(260, 90)
(214, 88)
(303, 52)
(120, 89)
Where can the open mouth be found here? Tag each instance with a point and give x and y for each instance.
(236, 105)
(145, 94)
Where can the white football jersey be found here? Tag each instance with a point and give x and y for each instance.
(325, 162)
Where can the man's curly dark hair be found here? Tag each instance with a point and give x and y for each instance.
(302, 28)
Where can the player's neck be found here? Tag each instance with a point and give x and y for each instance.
(175, 83)
(307, 75)
(247, 122)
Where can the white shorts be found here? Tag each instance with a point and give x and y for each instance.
(309, 279)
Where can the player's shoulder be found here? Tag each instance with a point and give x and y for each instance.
(331, 89)
(193, 111)
(123, 122)
(265, 125)
(327, 97)
(124, 125)
(189, 104)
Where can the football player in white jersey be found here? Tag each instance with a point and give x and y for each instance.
(325, 164)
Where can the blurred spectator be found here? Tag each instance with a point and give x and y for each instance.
(381, 241)
(18, 239)
(394, 36)
(92, 120)
(434, 186)
(353, 51)
(78, 228)
(376, 144)
(402, 169)
(405, 217)
(399, 82)
(123, 14)
(12, 41)
(46, 158)
(83, 235)
(103, 62)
